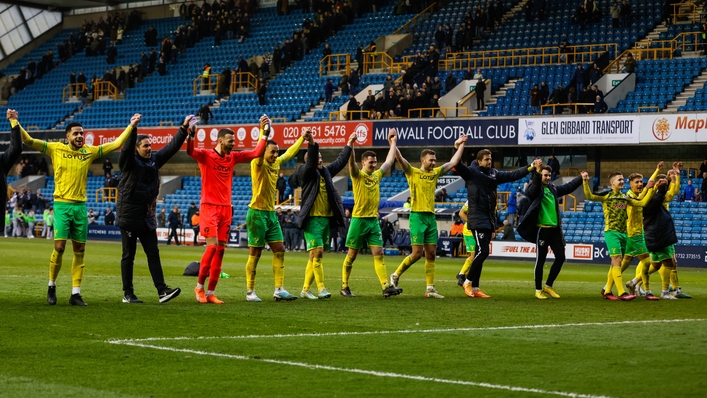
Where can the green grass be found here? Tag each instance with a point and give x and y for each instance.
(64, 351)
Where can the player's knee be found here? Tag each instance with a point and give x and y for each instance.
(560, 256)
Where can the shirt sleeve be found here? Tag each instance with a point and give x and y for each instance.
(590, 196)
(35, 144)
(291, 151)
(196, 153)
(112, 146)
(244, 156)
(642, 202)
(672, 190)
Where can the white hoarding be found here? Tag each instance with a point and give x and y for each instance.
(680, 127)
(583, 252)
(587, 130)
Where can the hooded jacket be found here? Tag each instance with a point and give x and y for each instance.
(482, 187)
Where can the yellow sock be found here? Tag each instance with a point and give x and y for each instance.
(77, 267)
(642, 264)
(645, 276)
(665, 277)
(654, 268)
(609, 281)
(674, 278)
(318, 272)
(379, 265)
(430, 273)
(55, 265)
(618, 280)
(250, 270)
(278, 269)
(625, 263)
(346, 271)
(467, 264)
(308, 276)
(407, 262)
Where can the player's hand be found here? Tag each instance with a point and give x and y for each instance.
(264, 120)
(585, 176)
(307, 134)
(650, 184)
(135, 120)
(392, 135)
(677, 166)
(538, 164)
(660, 165)
(11, 114)
(460, 141)
(352, 138)
(661, 183)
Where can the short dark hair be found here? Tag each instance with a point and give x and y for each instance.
(141, 137)
(270, 142)
(547, 168)
(482, 153)
(426, 152)
(661, 176)
(224, 132)
(368, 154)
(614, 174)
(72, 125)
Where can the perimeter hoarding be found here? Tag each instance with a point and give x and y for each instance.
(443, 132)
(673, 128)
(586, 130)
(328, 134)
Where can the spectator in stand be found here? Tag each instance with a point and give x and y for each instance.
(459, 39)
(630, 63)
(354, 81)
(478, 75)
(174, 221)
(92, 216)
(625, 14)
(112, 54)
(450, 82)
(579, 78)
(599, 105)
(704, 185)
(407, 203)
(528, 11)
(109, 217)
(480, 89)
(698, 196)
(457, 228)
(689, 192)
(703, 167)
(512, 208)
(615, 11)
(535, 98)
(598, 92)
(281, 187)
(442, 196)
(468, 73)
(194, 220)
(107, 166)
(352, 108)
(328, 90)
(595, 73)
(191, 211)
(205, 113)
(326, 53)
(439, 37)
(544, 93)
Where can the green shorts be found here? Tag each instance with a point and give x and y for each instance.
(70, 221)
(663, 254)
(362, 231)
(316, 233)
(615, 243)
(423, 229)
(263, 227)
(470, 243)
(636, 245)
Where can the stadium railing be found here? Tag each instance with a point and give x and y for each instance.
(441, 110)
(107, 194)
(72, 90)
(685, 11)
(659, 49)
(335, 62)
(574, 105)
(346, 115)
(104, 89)
(648, 108)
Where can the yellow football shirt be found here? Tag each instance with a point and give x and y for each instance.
(264, 175)
(321, 206)
(466, 231)
(367, 193)
(422, 188)
(71, 165)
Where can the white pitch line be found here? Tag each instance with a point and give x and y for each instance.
(409, 331)
(362, 371)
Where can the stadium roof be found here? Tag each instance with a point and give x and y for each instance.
(65, 5)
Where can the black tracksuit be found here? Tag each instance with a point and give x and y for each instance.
(545, 238)
(137, 199)
(658, 226)
(482, 185)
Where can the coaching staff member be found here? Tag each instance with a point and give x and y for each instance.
(137, 199)
(542, 225)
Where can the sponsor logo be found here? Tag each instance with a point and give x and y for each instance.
(542, 243)
(213, 134)
(201, 135)
(583, 251)
(82, 158)
(240, 134)
(255, 133)
(529, 131)
(89, 139)
(692, 124)
(361, 133)
(661, 129)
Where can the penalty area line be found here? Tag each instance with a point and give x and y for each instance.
(359, 371)
(408, 331)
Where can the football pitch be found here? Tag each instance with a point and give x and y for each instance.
(511, 345)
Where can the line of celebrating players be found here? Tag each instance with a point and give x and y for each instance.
(638, 223)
